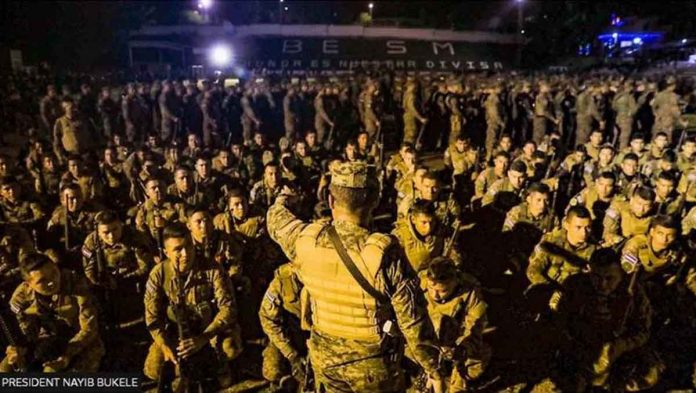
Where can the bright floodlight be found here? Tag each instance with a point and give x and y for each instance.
(370, 5)
(637, 41)
(683, 41)
(615, 36)
(220, 55)
(519, 1)
(205, 4)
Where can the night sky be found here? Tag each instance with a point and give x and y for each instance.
(90, 34)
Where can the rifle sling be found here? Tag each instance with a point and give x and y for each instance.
(352, 269)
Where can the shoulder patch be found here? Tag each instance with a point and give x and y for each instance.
(86, 252)
(612, 213)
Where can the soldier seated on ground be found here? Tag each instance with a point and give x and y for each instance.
(624, 219)
(562, 253)
(421, 236)
(508, 190)
(607, 323)
(57, 317)
(184, 291)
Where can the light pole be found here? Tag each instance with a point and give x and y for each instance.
(370, 7)
(280, 11)
(520, 32)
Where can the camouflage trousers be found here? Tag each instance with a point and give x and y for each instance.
(625, 126)
(227, 349)
(410, 129)
(539, 128)
(342, 365)
(88, 360)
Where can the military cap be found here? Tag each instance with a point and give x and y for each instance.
(352, 175)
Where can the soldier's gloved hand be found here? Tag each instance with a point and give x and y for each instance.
(298, 368)
(52, 366)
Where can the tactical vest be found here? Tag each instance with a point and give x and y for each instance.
(339, 306)
(418, 252)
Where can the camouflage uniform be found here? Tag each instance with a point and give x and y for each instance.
(494, 120)
(345, 346)
(411, 114)
(502, 187)
(554, 260)
(280, 319)
(587, 112)
(419, 251)
(127, 263)
(523, 231)
(145, 216)
(667, 113)
(484, 181)
(209, 302)
(459, 322)
(626, 107)
(620, 223)
(447, 210)
(607, 347)
(22, 212)
(72, 136)
(65, 323)
(80, 224)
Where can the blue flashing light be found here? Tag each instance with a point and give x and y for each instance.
(645, 37)
(637, 41)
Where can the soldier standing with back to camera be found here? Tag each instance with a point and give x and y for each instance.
(348, 344)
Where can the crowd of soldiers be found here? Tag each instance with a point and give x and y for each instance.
(525, 232)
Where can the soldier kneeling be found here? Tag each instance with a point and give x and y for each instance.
(190, 311)
(57, 316)
(458, 313)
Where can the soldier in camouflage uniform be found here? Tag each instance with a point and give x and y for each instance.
(458, 312)
(562, 253)
(667, 199)
(346, 346)
(13, 208)
(543, 113)
(265, 191)
(447, 209)
(686, 160)
(80, 220)
(209, 304)
(280, 315)
(587, 114)
(629, 179)
(411, 113)
(214, 245)
(57, 315)
(72, 133)
(495, 121)
(183, 190)
(606, 330)
(526, 223)
(596, 198)
(490, 175)
(604, 163)
(464, 163)
(626, 218)
(157, 212)
(665, 105)
(421, 236)
(625, 106)
(509, 187)
(92, 187)
(127, 261)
